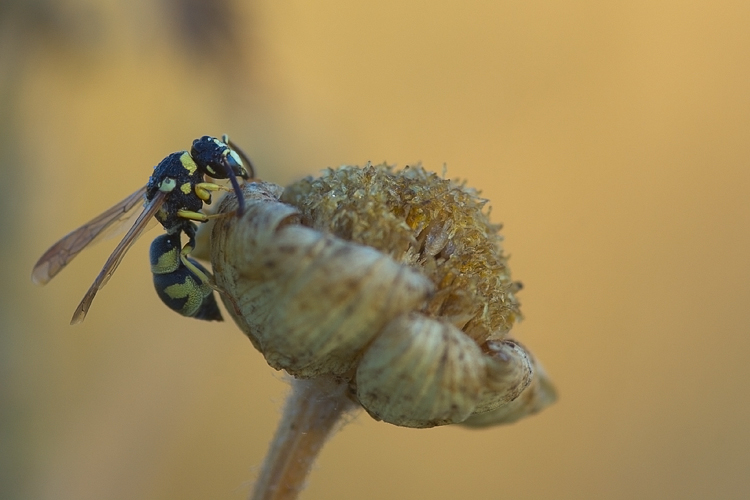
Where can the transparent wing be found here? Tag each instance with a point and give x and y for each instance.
(105, 225)
(114, 260)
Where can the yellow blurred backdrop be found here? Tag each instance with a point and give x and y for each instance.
(612, 139)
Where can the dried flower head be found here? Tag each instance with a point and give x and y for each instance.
(392, 281)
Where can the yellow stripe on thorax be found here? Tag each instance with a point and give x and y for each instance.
(188, 163)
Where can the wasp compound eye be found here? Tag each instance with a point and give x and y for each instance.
(233, 162)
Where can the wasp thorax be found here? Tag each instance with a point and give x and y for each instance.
(394, 281)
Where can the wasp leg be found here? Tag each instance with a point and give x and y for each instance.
(203, 190)
(208, 310)
(195, 268)
(198, 216)
(190, 215)
(198, 270)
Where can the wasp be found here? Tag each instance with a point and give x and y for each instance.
(174, 196)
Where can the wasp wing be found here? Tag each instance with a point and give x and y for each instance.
(114, 260)
(106, 224)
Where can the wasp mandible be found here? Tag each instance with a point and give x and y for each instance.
(174, 196)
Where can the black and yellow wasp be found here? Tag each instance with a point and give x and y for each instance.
(174, 196)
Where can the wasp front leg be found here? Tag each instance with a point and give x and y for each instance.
(203, 190)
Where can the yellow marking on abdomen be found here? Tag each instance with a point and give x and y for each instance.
(167, 262)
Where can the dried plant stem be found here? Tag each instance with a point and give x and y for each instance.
(312, 412)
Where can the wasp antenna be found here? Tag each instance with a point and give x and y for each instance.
(237, 191)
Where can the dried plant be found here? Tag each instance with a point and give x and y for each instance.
(375, 288)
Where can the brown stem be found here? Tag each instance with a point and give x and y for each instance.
(311, 413)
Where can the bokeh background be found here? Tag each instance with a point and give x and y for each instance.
(610, 137)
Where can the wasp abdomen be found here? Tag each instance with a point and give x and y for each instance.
(184, 290)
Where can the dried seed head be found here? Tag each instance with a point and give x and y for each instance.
(392, 280)
(424, 221)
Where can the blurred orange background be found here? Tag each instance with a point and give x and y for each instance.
(611, 139)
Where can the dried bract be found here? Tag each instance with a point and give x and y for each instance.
(539, 394)
(392, 281)
(420, 372)
(309, 301)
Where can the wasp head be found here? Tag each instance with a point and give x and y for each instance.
(216, 159)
